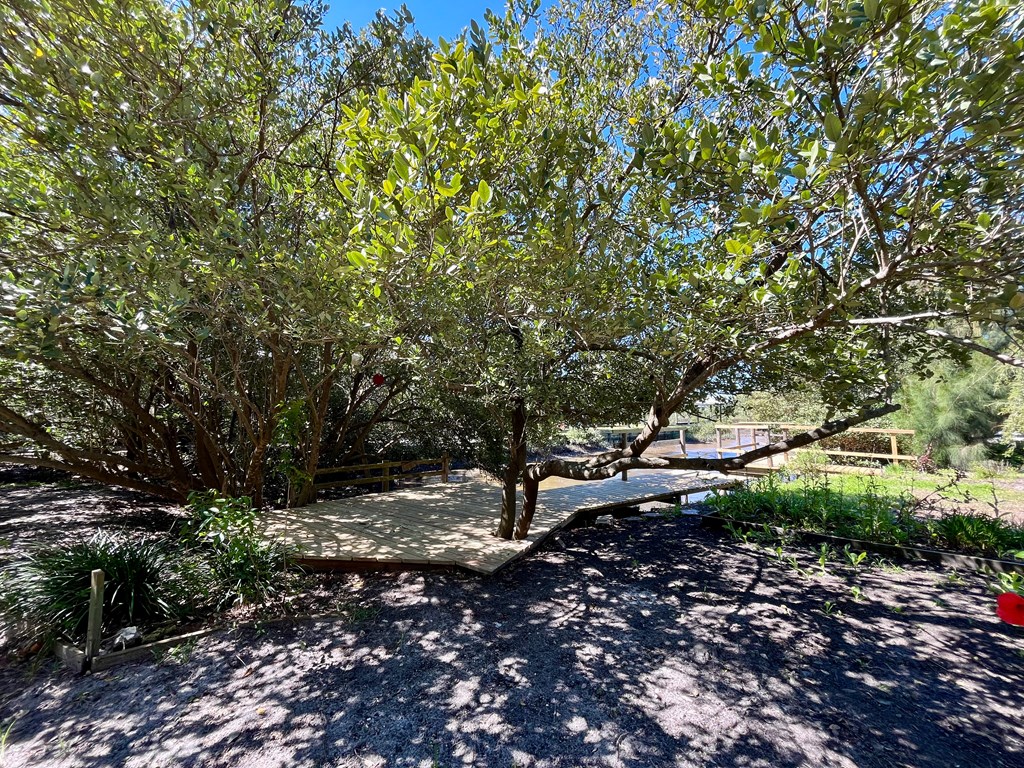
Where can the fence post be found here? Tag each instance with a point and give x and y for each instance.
(895, 449)
(444, 467)
(385, 483)
(623, 443)
(718, 441)
(95, 625)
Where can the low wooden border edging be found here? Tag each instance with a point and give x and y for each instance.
(934, 556)
(79, 662)
(90, 659)
(108, 660)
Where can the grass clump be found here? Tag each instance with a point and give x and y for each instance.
(48, 592)
(978, 533)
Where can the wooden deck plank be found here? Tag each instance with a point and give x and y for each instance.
(434, 544)
(452, 524)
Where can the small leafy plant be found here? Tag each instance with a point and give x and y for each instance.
(245, 567)
(823, 557)
(1008, 582)
(854, 558)
(830, 609)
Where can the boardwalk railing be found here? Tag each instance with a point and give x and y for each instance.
(386, 473)
(773, 431)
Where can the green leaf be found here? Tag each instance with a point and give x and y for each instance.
(484, 191)
(833, 127)
(357, 259)
(453, 189)
(871, 9)
(812, 156)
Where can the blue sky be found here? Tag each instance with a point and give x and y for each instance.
(434, 19)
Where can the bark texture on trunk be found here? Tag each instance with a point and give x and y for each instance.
(516, 467)
(531, 488)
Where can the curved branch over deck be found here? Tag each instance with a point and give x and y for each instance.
(620, 461)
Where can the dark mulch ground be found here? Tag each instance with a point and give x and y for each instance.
(650, 643)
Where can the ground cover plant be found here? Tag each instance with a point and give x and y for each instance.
(49, 589)
(244, 566)
(866, 509)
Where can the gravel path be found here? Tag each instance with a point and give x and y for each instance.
(651, 643)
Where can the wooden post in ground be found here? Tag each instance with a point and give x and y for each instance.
(785, 456)
(895, 449)
(623, 443)
(95, 625)
(385, 482)
(444, 467)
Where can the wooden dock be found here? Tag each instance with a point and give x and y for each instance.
(452, 524)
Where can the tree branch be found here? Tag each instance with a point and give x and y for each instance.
(582, 470)
(1005, 359)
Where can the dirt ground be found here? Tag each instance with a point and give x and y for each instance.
(38, 508)
(653, 642)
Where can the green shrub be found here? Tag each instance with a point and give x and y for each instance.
(980, 533)
(581, 437)
(808, 461)
(48, 591)
(244, 567)
(814, 504)
(701, 431)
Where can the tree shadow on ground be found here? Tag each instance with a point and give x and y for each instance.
(652, 644)
(35, 514)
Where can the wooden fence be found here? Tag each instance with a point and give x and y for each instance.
(776, 431)
(387, 472)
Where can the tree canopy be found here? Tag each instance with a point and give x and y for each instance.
(594, 211)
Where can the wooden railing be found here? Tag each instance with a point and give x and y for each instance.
(784, 430)
(387, 473)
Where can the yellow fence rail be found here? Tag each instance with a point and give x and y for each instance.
(783, 431)
(386, 473)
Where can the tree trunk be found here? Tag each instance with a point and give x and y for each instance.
(516, 466)
(531, 487)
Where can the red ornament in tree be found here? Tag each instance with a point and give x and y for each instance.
(378, 379)
(1010, 608)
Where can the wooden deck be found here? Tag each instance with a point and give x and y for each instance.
(451, 524)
